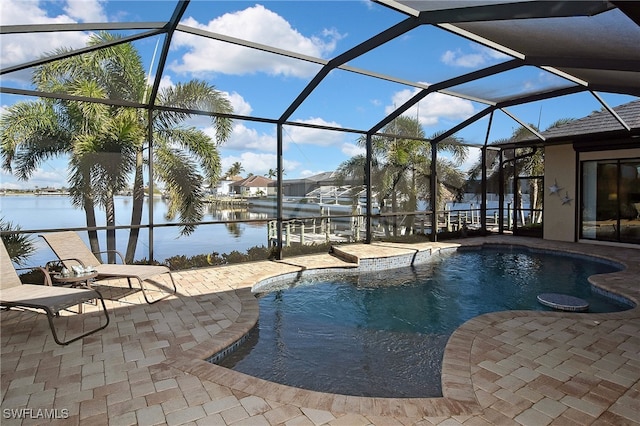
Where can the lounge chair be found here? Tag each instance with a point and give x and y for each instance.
(49, 298)
(71, 250)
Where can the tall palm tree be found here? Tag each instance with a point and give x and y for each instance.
(450, 179)
(527, 161)
(106, 144)
(401, 166)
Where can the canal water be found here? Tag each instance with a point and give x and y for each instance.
(31, 212)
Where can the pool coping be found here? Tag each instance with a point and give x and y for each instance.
(459, 394)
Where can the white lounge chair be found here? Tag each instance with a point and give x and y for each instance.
(49, 298)
(71, 250)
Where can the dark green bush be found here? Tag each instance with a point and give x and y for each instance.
(253, 254)
(19, 246)
(33, 276)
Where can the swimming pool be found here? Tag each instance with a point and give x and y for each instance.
(383, 333)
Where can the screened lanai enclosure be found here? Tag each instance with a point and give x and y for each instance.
(175, 128)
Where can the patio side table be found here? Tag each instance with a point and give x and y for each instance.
(75, 280)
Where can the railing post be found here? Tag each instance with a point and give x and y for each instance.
(369, 192)
(501, 194)
(434, 192)
(288, 234)
(471, 212)
(280, 194)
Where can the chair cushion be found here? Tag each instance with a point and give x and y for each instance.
(39, 296)
(142, 272)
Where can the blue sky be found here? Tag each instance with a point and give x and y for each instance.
(263, 85)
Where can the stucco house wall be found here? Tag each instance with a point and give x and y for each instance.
(560, 208)
(598, 136)
(560, 220)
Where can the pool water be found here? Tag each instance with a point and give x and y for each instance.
(383, 334)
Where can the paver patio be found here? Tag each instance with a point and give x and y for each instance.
(147, 367)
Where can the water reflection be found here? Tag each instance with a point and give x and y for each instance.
(26, 211)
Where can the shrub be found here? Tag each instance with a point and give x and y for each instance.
(256, 253)
(19, 246)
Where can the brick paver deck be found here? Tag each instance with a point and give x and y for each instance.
(147, 368)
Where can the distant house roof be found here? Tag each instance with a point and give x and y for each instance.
(324, 176)
(331, 178)
(599, 122)
(255, 181)
(597, 125)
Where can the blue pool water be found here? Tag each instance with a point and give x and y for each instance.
(383, 334)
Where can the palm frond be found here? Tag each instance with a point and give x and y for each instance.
(184, 185)
(31, 134)
(195, 95)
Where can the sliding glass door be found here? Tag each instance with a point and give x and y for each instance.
(610, 200)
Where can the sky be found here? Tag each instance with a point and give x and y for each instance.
(263, 85)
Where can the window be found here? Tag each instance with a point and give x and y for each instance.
(610, 200)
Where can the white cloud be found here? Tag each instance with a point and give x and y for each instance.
(313, 136)
(368, 3)
(351, 150)
(165, 82)
(433, 108)
(22, 12)
(459, 59)
(86, 10)
(19, 48)
(479, 56)
(244, 137)
(240, 106)
(473, 157)
(40, 178)
(256, 24)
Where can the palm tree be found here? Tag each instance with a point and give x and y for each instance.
(451, 180)
(235, 169)
(272, 173)
(522, 159)
(106, 144)
(401, 166)
(33, 132)
(527, 161)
